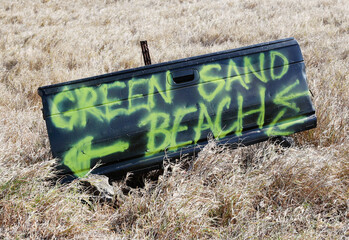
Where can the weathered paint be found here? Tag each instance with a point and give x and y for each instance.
(142, 116)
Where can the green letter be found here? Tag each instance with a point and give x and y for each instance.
(131, 85)
(219, 132)
(273, 54)
(112, 101)
(201, 126)
(205, 76)
(180, 113)
(165, 94)
(156, 129)
(260, 110)
(232, 66)
(248, 66)
(82, 101)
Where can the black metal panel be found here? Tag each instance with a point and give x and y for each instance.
(126, 120)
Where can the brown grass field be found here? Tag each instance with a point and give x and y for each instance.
(256, 192)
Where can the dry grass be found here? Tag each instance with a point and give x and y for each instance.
(257, 191)
(260, 191)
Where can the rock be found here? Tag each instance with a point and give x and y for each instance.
(99, 186)
(283, 141)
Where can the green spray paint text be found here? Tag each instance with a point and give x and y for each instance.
(165, 126)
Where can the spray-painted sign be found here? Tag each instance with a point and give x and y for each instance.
(132, 117)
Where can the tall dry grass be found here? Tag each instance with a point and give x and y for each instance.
(261, 191)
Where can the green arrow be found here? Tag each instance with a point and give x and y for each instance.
(79, 157)
(283, 99)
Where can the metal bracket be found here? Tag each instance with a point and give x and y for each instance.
(145, 52)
